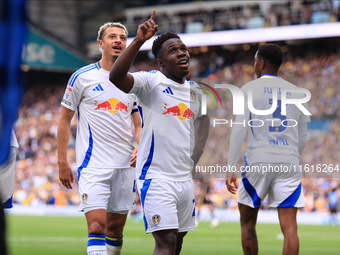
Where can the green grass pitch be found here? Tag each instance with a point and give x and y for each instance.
(27, 235)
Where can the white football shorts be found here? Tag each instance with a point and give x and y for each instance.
(283, 187)
(167, 205)
(7, 177)
(111, 189)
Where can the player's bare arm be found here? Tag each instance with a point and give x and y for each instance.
(302, 137)
(138, 125)
(65, 171)
(202, 126)
(238, 134)
(119, 72)
(138, 129)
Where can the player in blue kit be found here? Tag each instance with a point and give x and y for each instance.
(169, 106)
(106, 117)
(273, 148)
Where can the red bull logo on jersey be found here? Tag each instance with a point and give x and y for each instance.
(113, 105)
(181, 111)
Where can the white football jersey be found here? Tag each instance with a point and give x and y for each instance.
(168, 110)
(105, 124)
(14, 141)
(271, 138)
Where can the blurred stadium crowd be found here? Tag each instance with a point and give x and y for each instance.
(239, 16)
(37, 181)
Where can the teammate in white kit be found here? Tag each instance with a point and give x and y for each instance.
(106, 117)
(169, 106)
(272, 154)
(7, 175)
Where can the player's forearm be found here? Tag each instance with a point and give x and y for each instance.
(302, 136)
(119, 71)
(63, 136)
(238, 135)
(138, 132)
(202, 126)
(138, 125)
(235, 146)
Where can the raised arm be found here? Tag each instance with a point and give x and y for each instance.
(119, 75)
(63, 136)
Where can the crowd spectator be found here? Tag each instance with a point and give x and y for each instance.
(240, 16)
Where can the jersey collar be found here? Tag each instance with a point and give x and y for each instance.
(270, 76)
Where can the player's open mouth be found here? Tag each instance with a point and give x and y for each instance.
(183, 63)
(117, 48)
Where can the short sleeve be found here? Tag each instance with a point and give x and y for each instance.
(72, 94)
(134, 107)
(144, 82)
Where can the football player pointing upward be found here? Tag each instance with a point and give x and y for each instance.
(169, 105)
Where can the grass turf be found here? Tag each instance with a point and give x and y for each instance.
(37, 235)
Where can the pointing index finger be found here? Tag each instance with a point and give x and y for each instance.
(153, 14)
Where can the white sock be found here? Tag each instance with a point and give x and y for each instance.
(98, 253)
(114, 245)
(113, 250)
(96, 244)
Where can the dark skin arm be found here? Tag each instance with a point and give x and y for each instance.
(201, 135)
(119, 75)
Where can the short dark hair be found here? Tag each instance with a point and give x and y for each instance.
(107, 25)
(158, 42)
(272, 53)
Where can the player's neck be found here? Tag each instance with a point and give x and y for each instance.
(269, 73)
(106, 63)
(180, 80)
